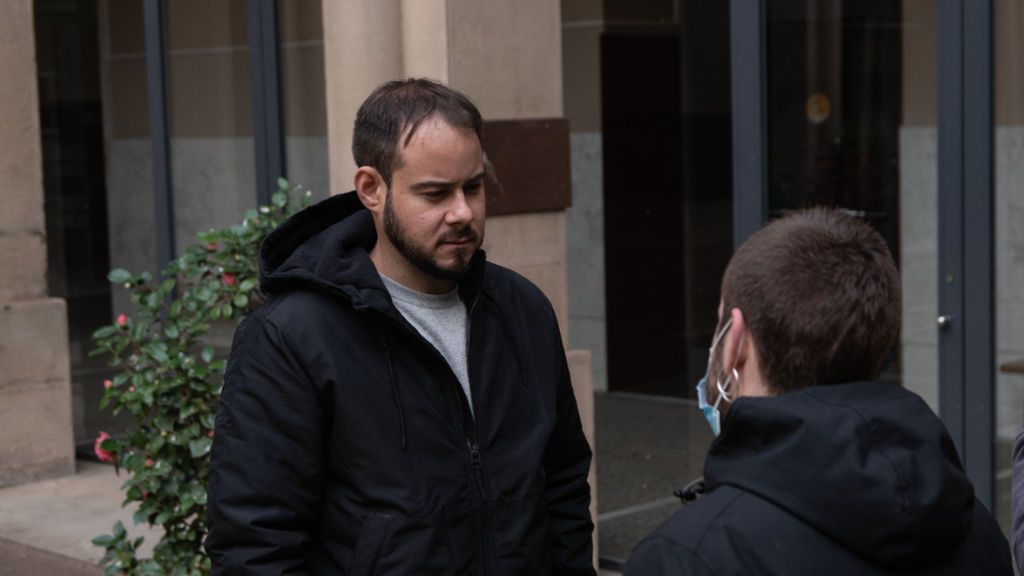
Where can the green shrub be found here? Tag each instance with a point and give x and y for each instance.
(170, 380)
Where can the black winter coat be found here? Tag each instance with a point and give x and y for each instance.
(344, 444)
(844, 479)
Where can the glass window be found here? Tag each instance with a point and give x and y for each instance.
(304, 90)
(209, 93)
(1009, 244)
(852, 126)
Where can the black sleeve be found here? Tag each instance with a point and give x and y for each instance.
(659, 556)
(266, 465)
(567, 493)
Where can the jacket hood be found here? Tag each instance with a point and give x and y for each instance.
(868, 464)
(326, 247)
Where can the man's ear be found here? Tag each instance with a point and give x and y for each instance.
(735, 342)
(371, 188)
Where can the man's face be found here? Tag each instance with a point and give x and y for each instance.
(435, 208)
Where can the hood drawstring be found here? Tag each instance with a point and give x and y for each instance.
(394, 383)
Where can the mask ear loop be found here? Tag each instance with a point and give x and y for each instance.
(722, 389)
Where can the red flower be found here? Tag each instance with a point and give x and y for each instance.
(149, 462)
(103, 455)
(211, 246)
(107, 384)
(229, 279)
(122, 319)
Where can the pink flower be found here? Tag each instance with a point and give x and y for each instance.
(131, 388)
(122, 319)
(210, 433)
(103, 455)
(149, 462)
(229, 279)
(107, 384)
(211, 246)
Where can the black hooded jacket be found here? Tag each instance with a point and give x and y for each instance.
(855, 478)
(344, 444)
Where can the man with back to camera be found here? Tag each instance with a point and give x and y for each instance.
(399, 405)
(817, 468)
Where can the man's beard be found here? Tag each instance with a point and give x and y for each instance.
(420, 257)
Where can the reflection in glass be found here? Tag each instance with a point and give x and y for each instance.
(851, 112)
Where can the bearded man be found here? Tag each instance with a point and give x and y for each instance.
(399, 405)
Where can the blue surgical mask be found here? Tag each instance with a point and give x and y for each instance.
(711, 412)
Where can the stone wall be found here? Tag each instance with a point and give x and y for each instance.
(35, 395)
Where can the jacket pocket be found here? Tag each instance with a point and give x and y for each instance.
(373, 534)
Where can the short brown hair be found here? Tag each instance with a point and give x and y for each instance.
(820, 293)
(399, 107)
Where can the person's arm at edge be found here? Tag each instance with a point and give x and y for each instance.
(1017, 502)
(266, 462)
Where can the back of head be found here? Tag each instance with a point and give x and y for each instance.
(820, 294)
(390, 115)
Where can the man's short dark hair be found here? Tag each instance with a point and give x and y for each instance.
(399, 107)
(820, 293)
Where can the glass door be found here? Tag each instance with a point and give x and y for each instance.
(851, 123)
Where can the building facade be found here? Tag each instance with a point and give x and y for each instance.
(637, 143)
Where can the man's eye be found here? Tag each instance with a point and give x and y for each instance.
(474, 188)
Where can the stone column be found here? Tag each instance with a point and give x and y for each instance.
(35, 382)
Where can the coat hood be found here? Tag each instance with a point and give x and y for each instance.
(868, 464)
(326, 248)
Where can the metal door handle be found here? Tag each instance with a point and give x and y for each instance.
(944, 321)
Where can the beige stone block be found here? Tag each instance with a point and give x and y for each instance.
(507, 56)
(21, 166)
(23, 265)
(581, 372)
(534, 245)
(425, 39)
(361, 51)
(35, 392)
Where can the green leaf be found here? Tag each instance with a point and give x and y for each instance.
(247, 285)
(163, 423)
(207, 354)
(104, 332)
(153, 300)
(140, 517)
(241, 300)
(279, 199)
(118, 529)
(105, 540)
(282, 184)
(119, 276)
(200, 447)
(167, 285)
(110, 445)
(171, 331)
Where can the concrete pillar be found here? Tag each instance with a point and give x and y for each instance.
(35, 389)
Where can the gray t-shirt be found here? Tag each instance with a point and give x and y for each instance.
(442, 320)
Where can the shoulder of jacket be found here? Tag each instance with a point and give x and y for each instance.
(503, 283)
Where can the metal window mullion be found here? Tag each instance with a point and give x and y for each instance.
(748, 43)
(268, 132)
(950, 228)
(979, 273)
(159, 132)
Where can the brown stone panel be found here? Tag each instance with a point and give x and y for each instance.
(209, 94)
(201, 24)
(127, 94)
(35, 396)
(531, 161)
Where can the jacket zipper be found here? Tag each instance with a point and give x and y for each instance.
(475, 462)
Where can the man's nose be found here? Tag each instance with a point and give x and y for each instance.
(459, 211)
